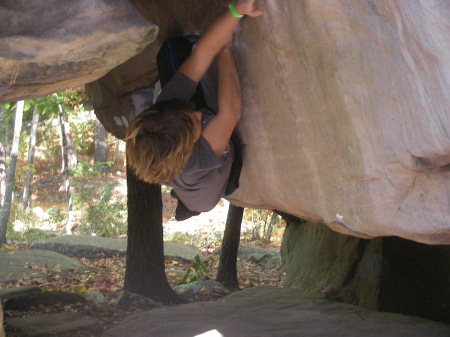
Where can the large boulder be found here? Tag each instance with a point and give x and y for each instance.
(345, 105)
(50, 46)
(346, 115)
(386, 274)
(345, 110)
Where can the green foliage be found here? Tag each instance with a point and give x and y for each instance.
(56, 215)
(30, 235)
(27, 218)
(198, 271)
(74, 99)
(101, 212)
(85, 168)
(97, 208)
(82, 127)
(178, 237)
(262, 225)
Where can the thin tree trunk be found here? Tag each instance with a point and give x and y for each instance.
(227, 270)
(2, 331)
(71, 153)
(145, 274)
(116, 155)
(31, 148)
(100, 143)
(5, 148)
(66, 170)
(4, 217)
(273, 221)
(2, 172)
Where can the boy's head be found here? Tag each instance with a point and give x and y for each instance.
(161, 139)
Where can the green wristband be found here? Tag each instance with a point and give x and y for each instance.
(233, 10)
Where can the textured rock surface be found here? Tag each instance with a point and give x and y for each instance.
(273, 312)
(16, 265)
(91, 246)
(190, 289)
(43, 298)
(47, 46)
(345, 105)
(346, 110)
(387, 274)
(351, 125)
(57, 324)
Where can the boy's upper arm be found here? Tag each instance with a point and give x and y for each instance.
(197, 64)
(179, 87)
(218, 132)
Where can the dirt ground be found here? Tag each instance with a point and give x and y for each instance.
(106, 275)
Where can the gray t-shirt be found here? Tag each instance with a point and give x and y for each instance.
(204, 179)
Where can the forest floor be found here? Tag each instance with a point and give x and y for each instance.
(106, 274)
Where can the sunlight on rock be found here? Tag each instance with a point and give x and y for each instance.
(211, 333)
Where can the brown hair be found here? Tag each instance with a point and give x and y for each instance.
(160, 140)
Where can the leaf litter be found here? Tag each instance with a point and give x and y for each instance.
(105, 275)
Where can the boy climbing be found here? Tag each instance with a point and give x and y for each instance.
(188, 149)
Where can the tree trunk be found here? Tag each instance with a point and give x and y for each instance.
(7, 129)
(71, 161)
(145, 274)
(116, 155)
(4, 217)
(100, 143)
(31, 148)
(269, 230)
(2, 172)
(66, 170)
(2, 331)
(227, 270)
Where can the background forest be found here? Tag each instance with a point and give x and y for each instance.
(62, 173)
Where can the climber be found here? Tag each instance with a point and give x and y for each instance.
(188, 149)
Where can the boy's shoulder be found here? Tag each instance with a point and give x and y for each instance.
(179, 87)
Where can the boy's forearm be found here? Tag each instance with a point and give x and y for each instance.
(209, 45)
(229, 85)
(215, 38)
(218, 34)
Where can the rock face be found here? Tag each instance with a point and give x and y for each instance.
(49, 46)
(387, 274)
(351, 126)
(345, 111)
(272, 312)
(345, 104)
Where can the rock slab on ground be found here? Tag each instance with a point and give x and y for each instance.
(15, 265)
(193, 288)
(273, 312)
(44, 298)
(91, 246)
(8, 293)
(57, 324)
(268, 257)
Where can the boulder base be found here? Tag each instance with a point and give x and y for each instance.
(386, 274)
(273, 312)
